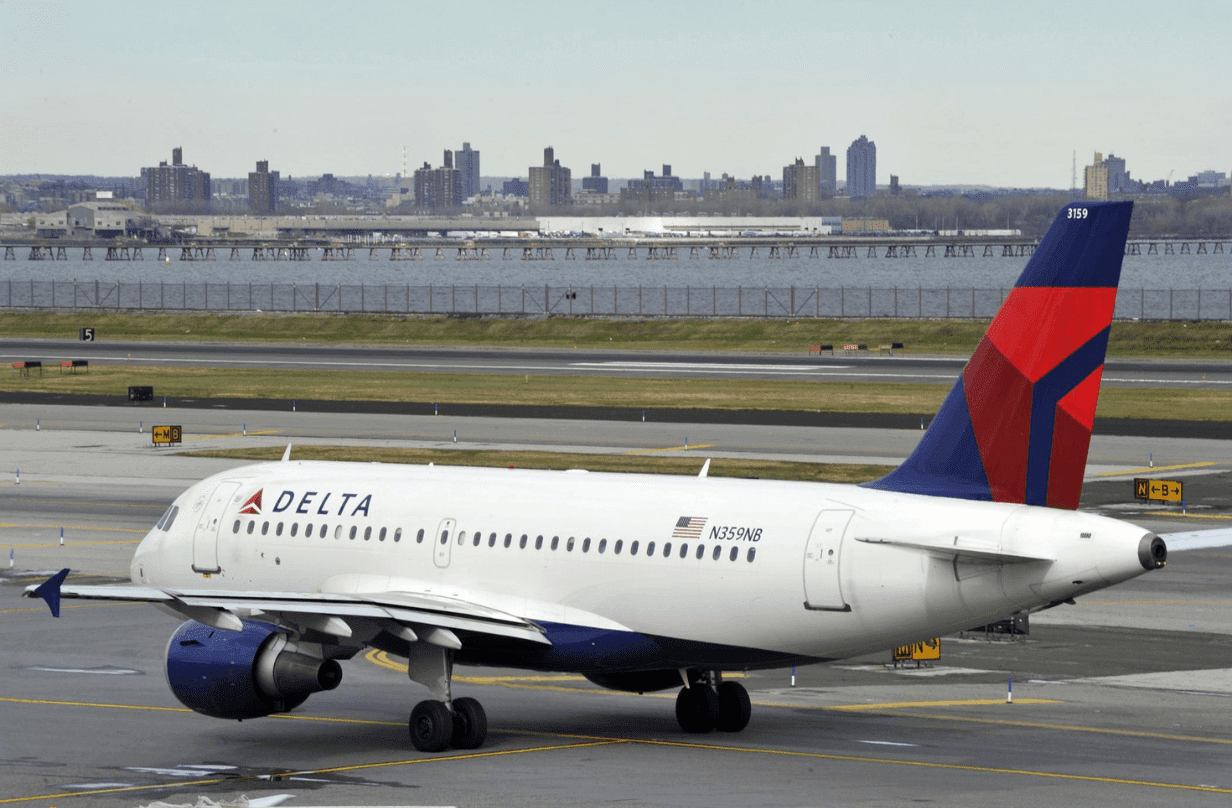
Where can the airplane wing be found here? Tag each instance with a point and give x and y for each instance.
(1197, 539)
(413, 616)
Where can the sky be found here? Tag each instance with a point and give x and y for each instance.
(980, 93)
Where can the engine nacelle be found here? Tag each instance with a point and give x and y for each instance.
(243, 674)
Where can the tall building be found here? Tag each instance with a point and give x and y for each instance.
(167, 184)
(800, 183)
(861, 168)
(1096, 180)
(651, 188)
(596, 181)
(550, 184)
(262, 189)
(827, 173)
(467, 162)
(438, 187)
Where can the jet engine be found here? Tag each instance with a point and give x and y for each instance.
(243, 674)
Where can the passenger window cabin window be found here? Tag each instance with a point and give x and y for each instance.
(508, 540)
(620, 543)
(555, 542)
(461, 537)
(586, 545)
(324, 529)
(667, 549)
(718, 551)
(478, 537)
(381, 535)
(633, 548)
(684, 550)
(398, 535)
(735, 553)
(522, 542)
(492, 540)
(602, 545)
(251, 524)
(308, 530)
(539, 542)
(294, 529)
(650, 548)
(236, 529)
(419, 536)
(265, 528)
(338, 532)
(701, 551)
(752, 554)
(444, 537)
(367, 533)
(569, 545)
(354, 531)
(278, 529)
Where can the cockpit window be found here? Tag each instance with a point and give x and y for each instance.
(168, 518)
(163, 518)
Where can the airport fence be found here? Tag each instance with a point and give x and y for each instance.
(583, 301)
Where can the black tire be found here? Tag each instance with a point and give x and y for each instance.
(734, 707)
(697, 707)
(431, 726)
(470, 724)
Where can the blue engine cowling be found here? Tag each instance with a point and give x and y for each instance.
(243, 674)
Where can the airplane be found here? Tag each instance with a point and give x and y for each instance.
(649, 582)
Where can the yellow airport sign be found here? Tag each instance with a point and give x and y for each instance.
(167, 435)
(1164, 490)
(918, 651)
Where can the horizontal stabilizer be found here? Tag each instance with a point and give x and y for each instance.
(49, 591)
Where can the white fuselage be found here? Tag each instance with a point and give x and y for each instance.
(764, 571)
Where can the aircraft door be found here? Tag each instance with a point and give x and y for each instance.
(822, 556)
(209, 520)
(444, 540)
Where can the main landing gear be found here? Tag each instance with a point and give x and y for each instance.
(442, 721)
(710, 703)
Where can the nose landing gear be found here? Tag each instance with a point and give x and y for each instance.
(710, 703)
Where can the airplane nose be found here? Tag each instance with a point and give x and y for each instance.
(1152, 552)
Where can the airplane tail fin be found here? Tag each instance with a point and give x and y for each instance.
(1017, 424)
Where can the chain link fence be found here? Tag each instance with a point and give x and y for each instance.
(583, 301)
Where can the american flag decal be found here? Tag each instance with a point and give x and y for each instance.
(689, 527)
(253, 505)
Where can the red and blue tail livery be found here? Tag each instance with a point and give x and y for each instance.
(1017, 424)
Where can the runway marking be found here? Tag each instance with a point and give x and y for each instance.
(673, 448)
(592, 741)
(1187, 515)
(1150, 469)
(898, 705)
(65, 606)
(250, 433)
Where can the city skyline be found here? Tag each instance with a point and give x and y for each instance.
(953, 93)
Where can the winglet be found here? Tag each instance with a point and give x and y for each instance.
(286, 456)
(49, 591)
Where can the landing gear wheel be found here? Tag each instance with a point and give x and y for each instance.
(470, 724)
(697, 708)
(734, 707)
(431, 726)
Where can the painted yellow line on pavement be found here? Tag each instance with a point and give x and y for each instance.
(73, 527)
(65, 606)
(1187, 515)
(91, 503)
(673, 448)
(235, 434)
(900, 705)
(1153, 469)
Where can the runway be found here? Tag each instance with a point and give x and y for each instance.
(1118, 700)
(860, 367)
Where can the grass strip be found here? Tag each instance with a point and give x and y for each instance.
(649, 464)
(580, 391)
(1194, 340)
